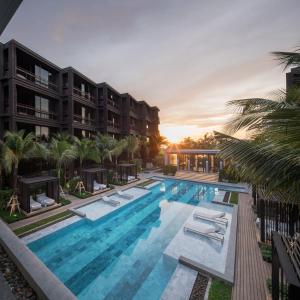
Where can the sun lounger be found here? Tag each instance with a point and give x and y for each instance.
(44, 200)
(205, 230)
(130, 178)
(99, 186)
(110, 201)
(211, 215)
(34, 205)
(124, 195)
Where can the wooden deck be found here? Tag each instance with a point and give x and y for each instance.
(197, 176)
(251, 272)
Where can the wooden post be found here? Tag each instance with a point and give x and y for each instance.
(262, 220)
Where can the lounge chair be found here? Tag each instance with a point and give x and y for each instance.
(211, 215)
(130, 178)
(44, 200)
(110, 201)
(124, 195)
(99, 186)
(205, 230)
(34, 205)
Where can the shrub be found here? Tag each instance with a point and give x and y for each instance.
(169, 170)
(266, 252)
(71, 184)
(138, 162)
(229, 173)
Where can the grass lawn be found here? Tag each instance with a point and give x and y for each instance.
(219, 290)
(82, 195)
(149, 181)
(50, 220)
(4, 215)
(234, 198)
(64, 201)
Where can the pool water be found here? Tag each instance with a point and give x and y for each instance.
(120, 256)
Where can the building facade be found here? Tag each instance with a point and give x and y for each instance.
(293, 78)
(40, 97)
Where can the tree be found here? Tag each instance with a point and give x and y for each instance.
(270, 158)
(105, 145)
(61, 151)
(132, 146)
(118, 148)
(85, 150)
(19, 146)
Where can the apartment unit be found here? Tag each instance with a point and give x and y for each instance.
(293, 78)
(40, 97)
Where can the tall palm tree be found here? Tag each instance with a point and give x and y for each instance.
(104, 144)
(85, 150)
(118, 149)
(20, 146)
(5, 161)
(132, 146)
(271, 156)
(61, 152)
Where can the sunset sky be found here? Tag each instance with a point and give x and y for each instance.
(186, 57)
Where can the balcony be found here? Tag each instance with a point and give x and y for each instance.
(84, 121)
(26, 75)
(113, 124)
(83, 95)
(31, 111)
(113, 103)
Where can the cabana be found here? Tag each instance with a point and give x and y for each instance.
(26, 185)
(127, 172)
(95, 180)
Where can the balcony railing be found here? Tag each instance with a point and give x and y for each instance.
(113, 103)
(83, 95)
(37, 113)
(85, 121)
(113, 124)
(24, 74)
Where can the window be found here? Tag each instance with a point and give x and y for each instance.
(42, 132)
(42, 107)
(42, 76)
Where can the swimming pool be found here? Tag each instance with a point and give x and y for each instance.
(121, 255)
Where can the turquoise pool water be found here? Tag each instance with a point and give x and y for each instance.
(120, 256)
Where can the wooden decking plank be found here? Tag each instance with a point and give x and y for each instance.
(251, 271)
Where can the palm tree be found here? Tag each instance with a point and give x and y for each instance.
(132, 146)
(85, 150)
(19, 146)
(61, 152)
(104, 144)
(271, 156)
(5, 162)
(118, 149)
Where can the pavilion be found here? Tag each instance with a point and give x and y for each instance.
(199, 160)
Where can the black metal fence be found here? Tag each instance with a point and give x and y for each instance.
(277, 216)
(285, 267)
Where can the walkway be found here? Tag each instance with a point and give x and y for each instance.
(197, 176)
(251, 272)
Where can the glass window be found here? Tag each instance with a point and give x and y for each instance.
(42, 132)
(42, 76)
(42, 107)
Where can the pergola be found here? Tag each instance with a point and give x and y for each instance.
(27, 184)
(205, 160)
(89, 175)
(125, 171)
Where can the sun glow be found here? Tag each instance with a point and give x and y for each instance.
(176, 133)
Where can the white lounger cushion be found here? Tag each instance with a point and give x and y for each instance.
(131, 177)
(34, 205)
(99, 186)
(202, 228)
(209, 213)
(43, 199)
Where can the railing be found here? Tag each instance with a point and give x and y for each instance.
(84, 121)
(285, 267)
(112, 103)
(37, 113)
(277, 216)
(24, 74)
(84, 95)
(113, 124)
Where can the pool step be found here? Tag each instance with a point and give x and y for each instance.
(181, 284)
